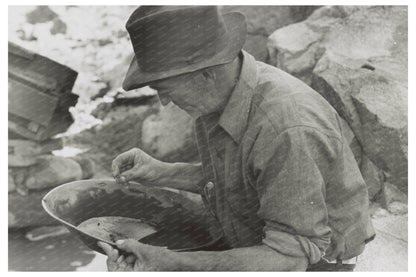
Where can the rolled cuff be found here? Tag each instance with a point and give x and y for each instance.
(292, 245)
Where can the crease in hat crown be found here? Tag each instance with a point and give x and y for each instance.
(169, 40)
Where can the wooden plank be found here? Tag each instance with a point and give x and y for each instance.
(30, 103)
(33, 79)
(59, 123)
(20, 51)
(24, 147)
(22, 131)
(40, 67)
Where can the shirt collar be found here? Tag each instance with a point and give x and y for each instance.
(235, 115)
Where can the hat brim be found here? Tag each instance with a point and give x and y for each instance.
(236, 30)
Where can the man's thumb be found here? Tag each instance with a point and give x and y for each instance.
(130, 246)
(129, 175)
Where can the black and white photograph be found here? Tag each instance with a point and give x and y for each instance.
(205, 137)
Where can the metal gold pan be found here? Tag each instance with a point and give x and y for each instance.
(181, 224)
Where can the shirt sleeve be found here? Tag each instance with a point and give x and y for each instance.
(290, 172)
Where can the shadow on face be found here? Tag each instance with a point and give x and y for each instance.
(176, 89)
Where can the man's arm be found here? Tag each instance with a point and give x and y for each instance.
(151, 258)
(182, 176)
(254, 258)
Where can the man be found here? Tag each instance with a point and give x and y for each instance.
(276, 170)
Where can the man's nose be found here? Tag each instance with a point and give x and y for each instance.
(164, 98)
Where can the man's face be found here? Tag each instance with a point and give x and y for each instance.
(191, 92)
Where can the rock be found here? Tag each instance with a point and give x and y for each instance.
(382, 108)
(21, 161)
(332, 79)
(44, 232)
(372, 176)
(356, 57)
(398, 208)
(352, 141)
(256, 46)
(392, 194)
(87, 166)
(31, 148)
(58, 27)
(380, 213)
(266, 19)
(11, 184)
(27, 210)
(52, 171)
(169, 134)
(41, 14)
(263, 20)
(295, 54)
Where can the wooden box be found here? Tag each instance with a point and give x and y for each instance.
(39, 95)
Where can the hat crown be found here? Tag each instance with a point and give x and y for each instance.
(169, 37)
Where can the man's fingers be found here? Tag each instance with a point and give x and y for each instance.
(112, 256)
(106, 247)
(115, 169)
(131, 259)
(129, 175)
(111, 252)
(122, 161)
(120, 259)
(131, 246)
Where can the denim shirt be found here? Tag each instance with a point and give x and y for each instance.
(278, 170)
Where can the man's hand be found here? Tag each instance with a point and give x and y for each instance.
(137, 165)
(142, 258)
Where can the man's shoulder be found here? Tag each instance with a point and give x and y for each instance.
(287, 102)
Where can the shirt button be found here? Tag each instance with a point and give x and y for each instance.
(210, 185)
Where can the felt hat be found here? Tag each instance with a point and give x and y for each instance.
(173, 40)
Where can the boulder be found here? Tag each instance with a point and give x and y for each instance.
(21, 161)
(352, 141)
(298, 47)
(263, 20)
(52, 171)
(296, 54)
(372, 176)
(356, 57)
(393, 199)
(168, 135)
(11, 183)
(87, 166)
(41, 14)
(58, 27)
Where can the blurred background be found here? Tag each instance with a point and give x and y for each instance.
(69, 117)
